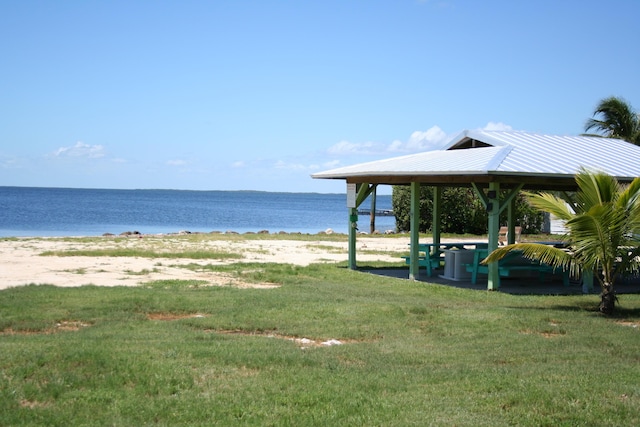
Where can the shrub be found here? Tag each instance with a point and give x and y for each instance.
(462, 211)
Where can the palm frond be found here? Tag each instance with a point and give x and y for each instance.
(555, 257)
(595, 188)
(616, 120)
(550, 203)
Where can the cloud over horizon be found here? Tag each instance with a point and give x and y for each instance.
(430, 139)
(80, 150)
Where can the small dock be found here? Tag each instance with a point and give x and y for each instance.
(378, 212)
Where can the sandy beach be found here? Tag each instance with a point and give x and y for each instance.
(23, 263)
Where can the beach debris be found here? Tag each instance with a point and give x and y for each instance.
(306, 342)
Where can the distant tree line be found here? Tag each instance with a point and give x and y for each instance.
(462, 211)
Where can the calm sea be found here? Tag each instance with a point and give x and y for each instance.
(34, 211)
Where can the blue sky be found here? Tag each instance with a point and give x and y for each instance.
(258, 95)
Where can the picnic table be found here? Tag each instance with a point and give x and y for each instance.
(431, 255)
(510, 265)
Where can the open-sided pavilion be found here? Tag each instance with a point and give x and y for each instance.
(497, 165)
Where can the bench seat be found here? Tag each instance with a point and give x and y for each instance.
(508, 266)
(430, 263)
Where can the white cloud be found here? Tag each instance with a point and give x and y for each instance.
(281, 164)
(177, 162)
(418, 141)
(346, 147)
(430, 139)
(80, 149)
(332, 164)
(9, 162)
(497, 126)
(238, 164)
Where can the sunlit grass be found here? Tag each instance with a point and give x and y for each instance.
(181, 352)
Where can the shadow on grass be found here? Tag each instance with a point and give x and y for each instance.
(514, 286)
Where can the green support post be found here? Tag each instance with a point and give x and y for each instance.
(495, 206)
(414, 265)
(511, 221)
(493, 209)
(363, 191)
(353, 224)
(437, 211)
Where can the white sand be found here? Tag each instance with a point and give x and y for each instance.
(21, 261)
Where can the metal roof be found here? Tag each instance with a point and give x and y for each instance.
(510, 157)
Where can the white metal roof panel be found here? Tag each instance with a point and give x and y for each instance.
(562, 155)
(509, 153)
(439, 162)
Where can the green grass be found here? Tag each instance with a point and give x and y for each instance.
(176, 353)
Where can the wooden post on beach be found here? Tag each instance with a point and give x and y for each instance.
(372, 222)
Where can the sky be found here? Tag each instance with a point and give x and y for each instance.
(259, 95)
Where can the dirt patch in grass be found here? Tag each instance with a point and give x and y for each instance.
(631, 324)
(63, 326)
(31, 404)
(174, 316)
(546, 334)
(301, 342)
(223, 279)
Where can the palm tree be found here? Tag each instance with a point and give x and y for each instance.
(617, 120)
(603, 232)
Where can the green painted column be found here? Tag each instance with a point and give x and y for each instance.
(437, 214)
(493, 209)
(414, 220)
(511, 221)
(362, 191)
(353, 223)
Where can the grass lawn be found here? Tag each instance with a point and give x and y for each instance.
(177, 353)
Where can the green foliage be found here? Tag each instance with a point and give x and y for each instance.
(615, 119)
(603, 231)
(177, 353)
(462, 211)
(401, 203)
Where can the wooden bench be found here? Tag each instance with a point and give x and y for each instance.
(510, 265)
(503, 235)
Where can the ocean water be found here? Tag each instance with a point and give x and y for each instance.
(35, 211)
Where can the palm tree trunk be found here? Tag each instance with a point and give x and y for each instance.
(607, 299)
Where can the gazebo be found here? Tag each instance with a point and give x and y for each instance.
(497, 165)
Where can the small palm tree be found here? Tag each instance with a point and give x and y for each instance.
(617, 120)
(603, 232)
